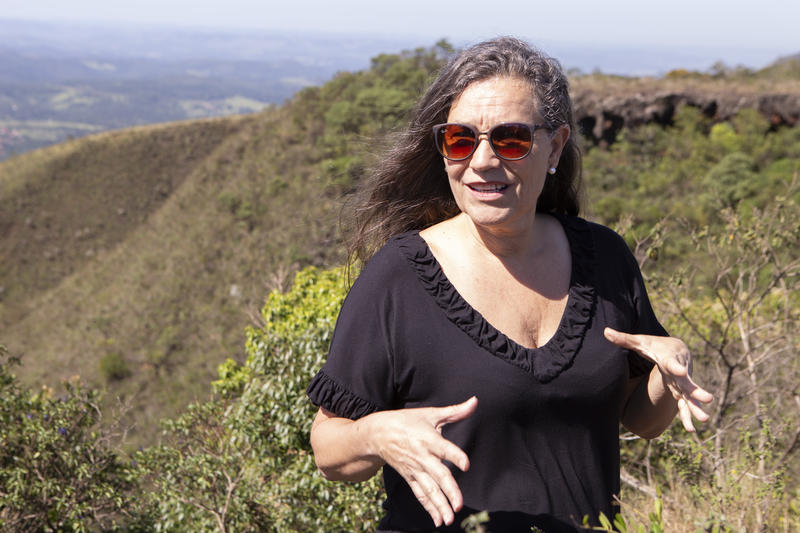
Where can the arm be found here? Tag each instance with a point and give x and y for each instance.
(341, 451)
(409, 440)
(654, 400)
(649, 408)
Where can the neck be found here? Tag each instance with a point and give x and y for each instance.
(523, 241)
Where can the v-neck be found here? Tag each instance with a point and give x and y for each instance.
(544, 362)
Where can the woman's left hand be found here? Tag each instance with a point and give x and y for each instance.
(675, 364)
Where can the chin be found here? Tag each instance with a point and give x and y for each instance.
(494, 218)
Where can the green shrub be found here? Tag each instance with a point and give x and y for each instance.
(731, 180)
(113, 367)
(58, 467)
(243, 461)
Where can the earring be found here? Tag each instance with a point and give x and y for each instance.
(552, 170)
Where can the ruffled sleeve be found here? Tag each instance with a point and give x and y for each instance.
(626, 286)
(358, 378)
(326, 393)
(646, 322)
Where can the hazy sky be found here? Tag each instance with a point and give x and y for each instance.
(772, 26)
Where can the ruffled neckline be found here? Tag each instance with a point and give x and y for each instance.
(545, 362)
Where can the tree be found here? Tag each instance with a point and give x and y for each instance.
(739, 316)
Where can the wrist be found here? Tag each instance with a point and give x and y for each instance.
(369, 432)
(658, 388)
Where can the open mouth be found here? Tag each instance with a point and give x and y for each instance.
(487, 187)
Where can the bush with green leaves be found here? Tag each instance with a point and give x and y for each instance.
(59, 470)
(689, 171)
(243, 462)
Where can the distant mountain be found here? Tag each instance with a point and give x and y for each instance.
(67, 80)
(784, 67)
(328, 53)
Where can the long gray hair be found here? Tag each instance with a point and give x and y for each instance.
(408, 188)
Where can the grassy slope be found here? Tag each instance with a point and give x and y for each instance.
(61, 206)
(189, 225)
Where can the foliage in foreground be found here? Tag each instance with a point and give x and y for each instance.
(739, 317)
(238, 462)
(58, 467)
(242, 461)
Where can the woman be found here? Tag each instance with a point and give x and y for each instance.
(478, 358)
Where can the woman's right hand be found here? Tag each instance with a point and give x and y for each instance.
(411, 442)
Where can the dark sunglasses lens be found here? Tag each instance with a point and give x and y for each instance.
(456, 141)
(512, 141)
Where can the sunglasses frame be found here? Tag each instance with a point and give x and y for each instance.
(488, 133)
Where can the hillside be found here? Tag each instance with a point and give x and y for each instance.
(148, 249)
(136, 258)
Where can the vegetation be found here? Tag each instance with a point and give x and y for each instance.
(58, 467)
(132, 258)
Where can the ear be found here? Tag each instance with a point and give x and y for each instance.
(558, 141)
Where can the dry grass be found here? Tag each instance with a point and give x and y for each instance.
(167, 238)
(741, 504)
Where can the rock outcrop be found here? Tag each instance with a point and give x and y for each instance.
(601, 114)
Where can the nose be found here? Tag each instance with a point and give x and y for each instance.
(483, 157)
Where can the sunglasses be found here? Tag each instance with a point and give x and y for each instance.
(509, 140)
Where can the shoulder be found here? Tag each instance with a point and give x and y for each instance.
(602, 252)
(607, 244)
(391, 257)
(606, 237)
(389, 266)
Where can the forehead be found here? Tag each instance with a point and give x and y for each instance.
(500, 99)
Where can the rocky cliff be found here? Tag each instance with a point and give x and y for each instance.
(603, 109)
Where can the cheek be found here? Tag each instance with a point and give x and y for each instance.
(454, 170)
(454, 179)
(532, 178)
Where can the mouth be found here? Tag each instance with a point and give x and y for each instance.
(487, 187)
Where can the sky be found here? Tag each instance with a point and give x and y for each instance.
(745, 29)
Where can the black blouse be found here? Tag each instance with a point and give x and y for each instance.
(543, 442)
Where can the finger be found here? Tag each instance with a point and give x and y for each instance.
(700, 394)
(687, 387)
(435, 488)
(697, 411)
(433, 500)
(447, 451)
(440, 503)
(446, 483)
(423, 497)
(674, 367)
(693, 396)
(693, 407)
(685, 415)
(688, 408)
(453, 413)
(624, 340)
